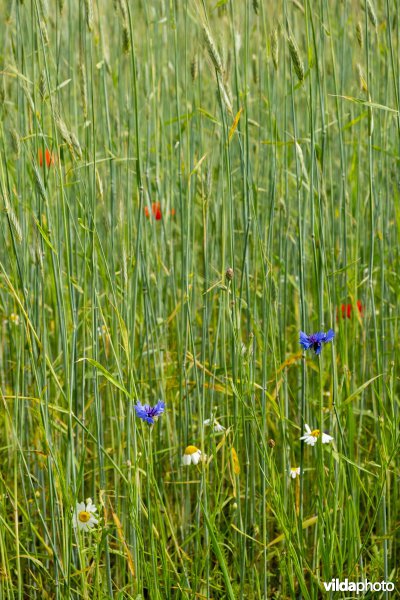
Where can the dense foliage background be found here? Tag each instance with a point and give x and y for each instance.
(147, 147)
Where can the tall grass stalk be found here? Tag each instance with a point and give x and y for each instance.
(186, 186)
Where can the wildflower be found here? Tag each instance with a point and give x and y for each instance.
(149, 413)
(271, 443)
(192, 455)
(14, 318)
(50, 157)
(156, 211)
(316, 340)
(311, 437)
(295, 472)
(84, 517)
(347, 309)
(102, 330)
(217, 427)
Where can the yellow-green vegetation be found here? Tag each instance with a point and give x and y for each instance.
(185, 186)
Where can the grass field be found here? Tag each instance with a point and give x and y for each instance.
(185, 186)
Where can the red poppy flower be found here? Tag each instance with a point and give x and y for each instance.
(156, 211)
(50, 157)
(346, 310)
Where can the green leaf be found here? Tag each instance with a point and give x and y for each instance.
(220, 557)
(106, 374)
(358, 391)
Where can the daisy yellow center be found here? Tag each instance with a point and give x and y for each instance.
(315, 433)
(191, 450)
(84, 516)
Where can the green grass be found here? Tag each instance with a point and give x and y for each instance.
(279, 160)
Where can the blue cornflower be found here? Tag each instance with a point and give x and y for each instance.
(149, 413)
(316, 340)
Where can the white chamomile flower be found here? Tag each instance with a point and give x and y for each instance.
(84, 517)
(326, 438)
(192, 455)
(311, 437)
(217, 427)
(294, 472)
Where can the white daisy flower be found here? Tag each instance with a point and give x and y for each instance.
(311, 437)
(294, 472)
(326, 438)
(217, 427)
(84, 517)
(192, 455)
